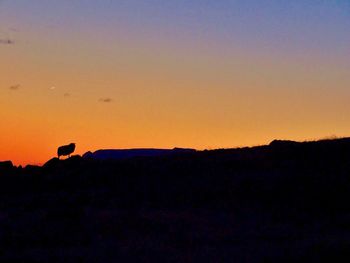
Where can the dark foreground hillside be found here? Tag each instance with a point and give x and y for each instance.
(286, 202)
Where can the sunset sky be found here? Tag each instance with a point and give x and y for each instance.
(155, 73)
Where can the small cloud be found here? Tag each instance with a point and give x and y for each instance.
(15, 87)
(105, 100)
(13, 29)
(66, 95)
(6, 42)
(52, 88)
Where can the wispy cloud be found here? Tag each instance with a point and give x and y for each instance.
(13, 29)
(105, 100)
(15, 87)
(6, 42)
(66, 95)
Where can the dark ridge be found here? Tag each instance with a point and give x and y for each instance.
(283, 202)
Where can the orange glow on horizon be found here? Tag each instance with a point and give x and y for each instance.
(133, 90)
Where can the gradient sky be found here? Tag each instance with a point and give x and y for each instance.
(154, 73)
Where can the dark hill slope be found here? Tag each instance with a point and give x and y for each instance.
(285, 202)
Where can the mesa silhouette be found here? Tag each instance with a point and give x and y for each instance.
(282, 202)
(130, 153)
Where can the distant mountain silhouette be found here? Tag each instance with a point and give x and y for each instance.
(129, 153)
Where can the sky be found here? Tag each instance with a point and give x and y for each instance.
(186, 73)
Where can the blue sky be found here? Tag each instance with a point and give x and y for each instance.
(286, 25)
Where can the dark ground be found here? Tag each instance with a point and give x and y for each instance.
(286, 202)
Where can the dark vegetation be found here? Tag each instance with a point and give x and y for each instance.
(286, 202)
